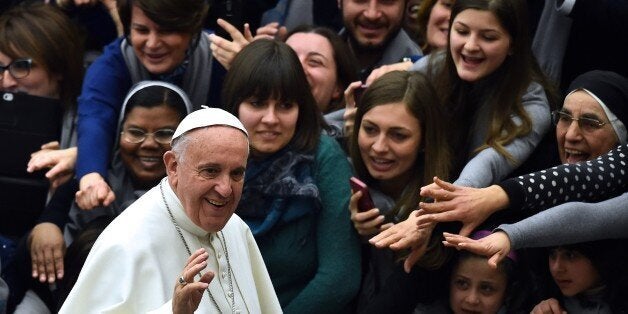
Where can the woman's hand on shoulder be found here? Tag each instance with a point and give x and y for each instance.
(366, 223)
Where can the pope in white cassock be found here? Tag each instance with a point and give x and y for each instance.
(179, 248)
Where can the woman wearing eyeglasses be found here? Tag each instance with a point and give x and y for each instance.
(150, 114)
(589, 127)
(164, 41)
(41, 55)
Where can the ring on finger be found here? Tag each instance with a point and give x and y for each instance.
(182, 281)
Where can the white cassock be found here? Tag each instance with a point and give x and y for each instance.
(135, 263)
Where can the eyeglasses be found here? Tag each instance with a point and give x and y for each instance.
(136, 136)
(586, 124)
(19, 68)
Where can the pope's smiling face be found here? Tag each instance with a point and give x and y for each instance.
(208, 175)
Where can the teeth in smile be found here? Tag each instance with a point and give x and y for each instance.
(573, 152)
(381, 161)
(215, 203)
(150, 158)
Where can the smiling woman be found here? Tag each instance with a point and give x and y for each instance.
(150, 114)
(396, 147)
(164, 42)
(296, 184)
(489, 73)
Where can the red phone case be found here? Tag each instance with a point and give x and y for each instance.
(365, 202)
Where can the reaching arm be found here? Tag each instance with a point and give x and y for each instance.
(571, 223)
(591, 181)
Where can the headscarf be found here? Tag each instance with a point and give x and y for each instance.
(610, 90)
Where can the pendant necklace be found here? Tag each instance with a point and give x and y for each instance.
(230, 294)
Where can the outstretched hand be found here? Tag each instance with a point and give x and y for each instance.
(494, 246)
(187, 295)
(93, 192)
(471, 206)
(408, 234)
(60, 161)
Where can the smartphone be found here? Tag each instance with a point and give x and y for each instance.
(365, 202)
(230, 11)
(357, 94)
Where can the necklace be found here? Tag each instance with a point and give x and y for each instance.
(230, 294)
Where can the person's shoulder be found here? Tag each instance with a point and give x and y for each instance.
(235, 224)
(140, 217)
(328, 148)
(109, 63)
(111, 50)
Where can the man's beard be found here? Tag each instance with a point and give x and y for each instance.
(369, 47)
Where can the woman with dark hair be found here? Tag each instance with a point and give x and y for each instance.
(587, 277)
(164, 42)
(296, 184)
(328, 64)
(397, 145)
(312, 43)
(495, 95)
(433, 21)
(488, 73)
(474, 286)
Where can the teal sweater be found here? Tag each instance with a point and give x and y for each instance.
(314, 262)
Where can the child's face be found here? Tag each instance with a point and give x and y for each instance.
(476, 288)
(573, 272)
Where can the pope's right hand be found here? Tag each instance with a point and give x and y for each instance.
(187, 295)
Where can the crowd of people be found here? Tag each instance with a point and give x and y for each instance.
(299, 156)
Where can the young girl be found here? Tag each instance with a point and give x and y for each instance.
(476, 287)
(589, 277)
